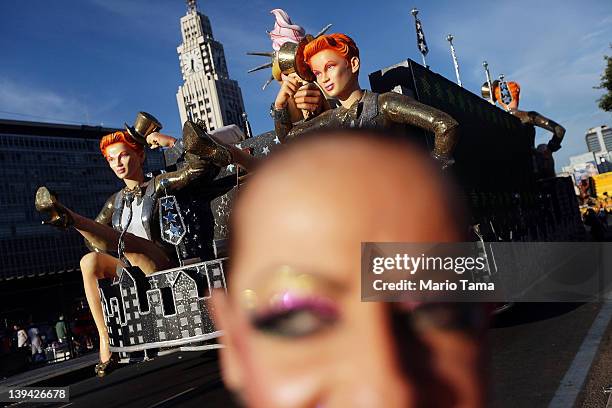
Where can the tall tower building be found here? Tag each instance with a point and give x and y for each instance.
(207, 92)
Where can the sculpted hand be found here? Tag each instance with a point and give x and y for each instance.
(555, 142)
(308, 97)
(156, 139)
(289, 87)
(444, 161)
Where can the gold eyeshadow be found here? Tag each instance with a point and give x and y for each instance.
(289, 303)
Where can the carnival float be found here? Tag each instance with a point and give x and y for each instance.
(508, 183)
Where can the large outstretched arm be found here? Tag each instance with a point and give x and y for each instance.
(404, 109)
(539, 120)
(179, 179)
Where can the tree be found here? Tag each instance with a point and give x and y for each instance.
(605, 102)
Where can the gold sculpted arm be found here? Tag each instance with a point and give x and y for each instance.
(176, 180)
(282, 123)
(537, 119)
(321, 121)
(105, 217)
(404, 109)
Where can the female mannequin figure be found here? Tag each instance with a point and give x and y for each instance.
(543, 152)
(334, 61)
(143, 246)
(526, 117)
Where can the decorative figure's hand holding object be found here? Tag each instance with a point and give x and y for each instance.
(298, 94)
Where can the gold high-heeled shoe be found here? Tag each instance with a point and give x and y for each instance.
(46, 202)
(110, 365)
(197, 141)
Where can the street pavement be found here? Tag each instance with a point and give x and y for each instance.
(532, 348)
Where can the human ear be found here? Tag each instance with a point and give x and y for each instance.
(231, 370)
(354, 62)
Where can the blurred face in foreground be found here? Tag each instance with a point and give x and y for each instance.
(297, 333)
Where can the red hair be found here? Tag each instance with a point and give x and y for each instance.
(120, 137)
(340, 43)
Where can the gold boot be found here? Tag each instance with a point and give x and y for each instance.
(46, 202)
(196, 141)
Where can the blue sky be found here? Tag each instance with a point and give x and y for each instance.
(101, 61)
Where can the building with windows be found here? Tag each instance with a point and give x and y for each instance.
(207, 93)
(599, 139)
(66, 159)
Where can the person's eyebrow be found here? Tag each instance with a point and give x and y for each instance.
(318, 274)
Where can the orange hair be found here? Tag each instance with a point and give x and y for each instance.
(120, 137)
(515, 92)
(340, 43)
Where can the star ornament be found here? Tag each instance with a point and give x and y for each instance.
(170, 217)
(265, 150)
(167, 204)
(174, 231)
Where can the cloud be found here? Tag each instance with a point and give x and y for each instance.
(25, 101)
(594, 34)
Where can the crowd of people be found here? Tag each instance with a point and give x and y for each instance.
(40, 342)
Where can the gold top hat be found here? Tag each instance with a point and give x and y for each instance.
(486, 92)
(290, 59)
(144, 125)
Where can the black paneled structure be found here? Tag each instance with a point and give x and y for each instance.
(494, 160)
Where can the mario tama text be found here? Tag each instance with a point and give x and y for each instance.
(431, 285)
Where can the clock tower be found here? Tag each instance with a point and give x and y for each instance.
(207, 92)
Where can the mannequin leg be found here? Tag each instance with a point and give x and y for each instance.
(106, 238)
(96, 266)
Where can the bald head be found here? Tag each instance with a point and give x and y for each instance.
(325, 195)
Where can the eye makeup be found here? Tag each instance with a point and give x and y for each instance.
(294, 315)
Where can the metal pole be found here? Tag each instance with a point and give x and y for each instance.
(247, 125)
(489, 83)
(450, 38)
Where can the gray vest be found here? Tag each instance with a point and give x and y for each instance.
(148, 206)
(369, 111)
